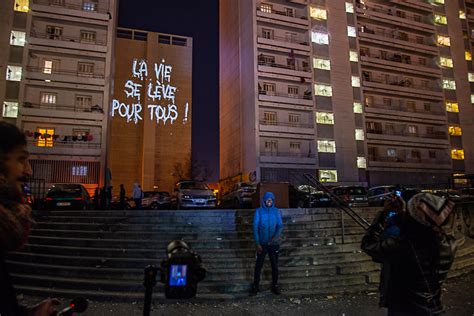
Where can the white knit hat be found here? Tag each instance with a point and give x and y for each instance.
(430, 210)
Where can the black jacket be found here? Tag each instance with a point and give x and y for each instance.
(414, 266)
(8, 302)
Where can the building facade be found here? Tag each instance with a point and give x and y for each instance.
(150, 130)
(58, 64)
(369, 92)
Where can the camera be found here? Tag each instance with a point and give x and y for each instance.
(181, 271)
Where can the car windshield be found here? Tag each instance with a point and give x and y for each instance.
(194, 186)
(64, 191)
(357, 191)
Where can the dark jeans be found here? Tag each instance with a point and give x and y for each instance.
(138, 204)
(272, 251)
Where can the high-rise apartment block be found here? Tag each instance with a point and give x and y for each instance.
(370, 92)
(56, 64)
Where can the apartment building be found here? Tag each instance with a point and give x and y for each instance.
(58, 66)
(371, 92)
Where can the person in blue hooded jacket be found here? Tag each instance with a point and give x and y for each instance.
(267, 228)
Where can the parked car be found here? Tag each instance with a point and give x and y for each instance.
(68, 196)
(193, 194)
(115, 203)
(352, 195)
(240, 196)
(308, 196)
(156, 200)
(378, 195)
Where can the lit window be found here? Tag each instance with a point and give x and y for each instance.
(449, 84)
(349, 7)
(320, 38)
(438, 1)
(468, 56)
(446, 62)
(457, 154)
(355, 81)
(318, 13)
(324, 118)
(45, 139)
(79, 171)
(17, 38)
(321, 63)
(10, 109)
(48, 98)
(359, 134)
(22, 5)
(353, 56)
(391, 152)
(50, 66)
(14, 73)
(351, 31)
(455, 130)
(440, 19)
(323, 90)
(444, 40)
(358, 107)
(412, 129)
(462, 14)
(328, 175)
(452, 107)
(267, 8)
(361, 162)
(89, 6)
(470, 76)
(326, 146)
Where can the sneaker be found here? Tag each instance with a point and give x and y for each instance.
(276, 290)
(254, 290)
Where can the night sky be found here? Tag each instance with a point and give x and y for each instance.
(198, 19)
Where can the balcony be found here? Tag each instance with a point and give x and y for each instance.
(70, 42)
(281, 127)
(66, 148)
(388, 14)
(403, 87)
(62, 111)
(41, 73)
(410, 163)
(298, 20)
(286, 42)
(394, 39)
(277, 97)
(96, 10)
(398, 63)
(291, 70)
(408, 110)
(295, 158)
(415, 4)
(404, 136)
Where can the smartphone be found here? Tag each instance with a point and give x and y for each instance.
(398, 193)
(390, 214)
(178, 275)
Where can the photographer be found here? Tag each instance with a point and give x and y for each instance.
(415, 253)
(15, 217)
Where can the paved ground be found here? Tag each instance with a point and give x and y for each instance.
(458, 299)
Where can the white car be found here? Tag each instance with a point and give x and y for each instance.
(193, 194)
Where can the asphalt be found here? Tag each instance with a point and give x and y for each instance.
(458, 299)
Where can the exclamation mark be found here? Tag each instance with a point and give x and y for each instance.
(186, 110)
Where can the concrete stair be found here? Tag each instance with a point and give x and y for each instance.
(102, 254)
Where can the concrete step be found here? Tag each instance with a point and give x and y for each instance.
(210, 263)
(158, 245)
(157, 235)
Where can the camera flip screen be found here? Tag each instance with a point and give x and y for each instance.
(178, 275)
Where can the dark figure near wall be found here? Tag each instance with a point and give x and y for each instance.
(122, 197)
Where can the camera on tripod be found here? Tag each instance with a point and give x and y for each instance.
(181, 272)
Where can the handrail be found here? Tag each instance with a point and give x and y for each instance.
(341, 204)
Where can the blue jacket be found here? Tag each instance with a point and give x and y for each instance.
(267, 222)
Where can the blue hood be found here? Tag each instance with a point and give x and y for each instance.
(266, 196)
